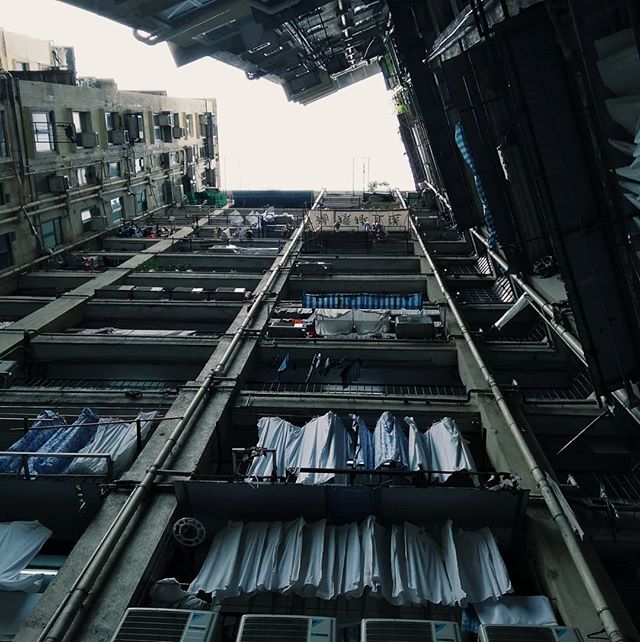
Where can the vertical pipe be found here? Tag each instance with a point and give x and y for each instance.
(558, 515)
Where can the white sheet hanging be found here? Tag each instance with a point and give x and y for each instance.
(418, 456)
(325, 444)
(404, 564)
(330, 323)
(447, 449)
(19, 544)
(483, 573)
(117, 439)
(512, 609)
(389, 442)
(417, 568)
(276, 434)
(371, 321)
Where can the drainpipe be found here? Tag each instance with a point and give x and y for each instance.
(88, 580)
(546, 311)
(571, 541)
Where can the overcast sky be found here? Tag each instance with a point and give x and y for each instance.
(265, 141)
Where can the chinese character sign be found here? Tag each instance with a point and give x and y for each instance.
(359, 220)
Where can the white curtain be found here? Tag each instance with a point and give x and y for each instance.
(115, 438)
(404, 564)
(483, 574)
(19, 544)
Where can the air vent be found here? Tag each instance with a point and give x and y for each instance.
(166, 625)
(389, 630)
(278, 628)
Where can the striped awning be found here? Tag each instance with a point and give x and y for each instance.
(364, 301)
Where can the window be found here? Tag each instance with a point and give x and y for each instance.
(188, 124)
(85, 216)
(139, 164)
(116, 209)
(196, 153)
(82, 121)
(114, 170)
(42, 124)
(173, 158)
(22, 66)
(176, 119)
(51, 233)
(157, 131)
(6, 255)
(3, 140)
(141, 201)
(82, 176)
(140, 125)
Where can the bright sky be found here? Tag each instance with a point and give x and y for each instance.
(265, 141)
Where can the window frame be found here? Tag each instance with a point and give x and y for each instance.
(56, 233)
(38, 130)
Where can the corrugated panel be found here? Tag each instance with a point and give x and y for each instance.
(152, 626)
(274, 629)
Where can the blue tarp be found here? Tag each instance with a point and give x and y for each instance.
(364, 301)
(463, 146)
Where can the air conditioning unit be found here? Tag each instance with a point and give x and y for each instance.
(293, 628)
(178, 132)
(498, 633)
(59, 184)
(164, 120)
(87, 139)
(389, 630)
(118, 136)
(170, 625)
(8, 370)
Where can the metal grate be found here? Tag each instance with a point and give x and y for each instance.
(500, 292)
(152, 626)
(520, 634)
(481, 267)
(620, 486)
(537, 335)
(397, 631)
(97, 384)
(406, 390)
(580, 389)
(274, 629)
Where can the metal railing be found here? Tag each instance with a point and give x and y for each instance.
(96, 384)
(381, 390)
(24, 473)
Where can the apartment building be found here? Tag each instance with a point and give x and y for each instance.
(77, 157)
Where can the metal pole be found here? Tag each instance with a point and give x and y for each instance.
(63, 618)
(598, 600)
(546, 311)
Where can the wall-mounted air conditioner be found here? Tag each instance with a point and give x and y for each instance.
(173, 625)
(165, 120)
(498, 633)
(87, 139)
(59, 184)
(293, 628)
(389, 630)
(178, 132)
(118, 136)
